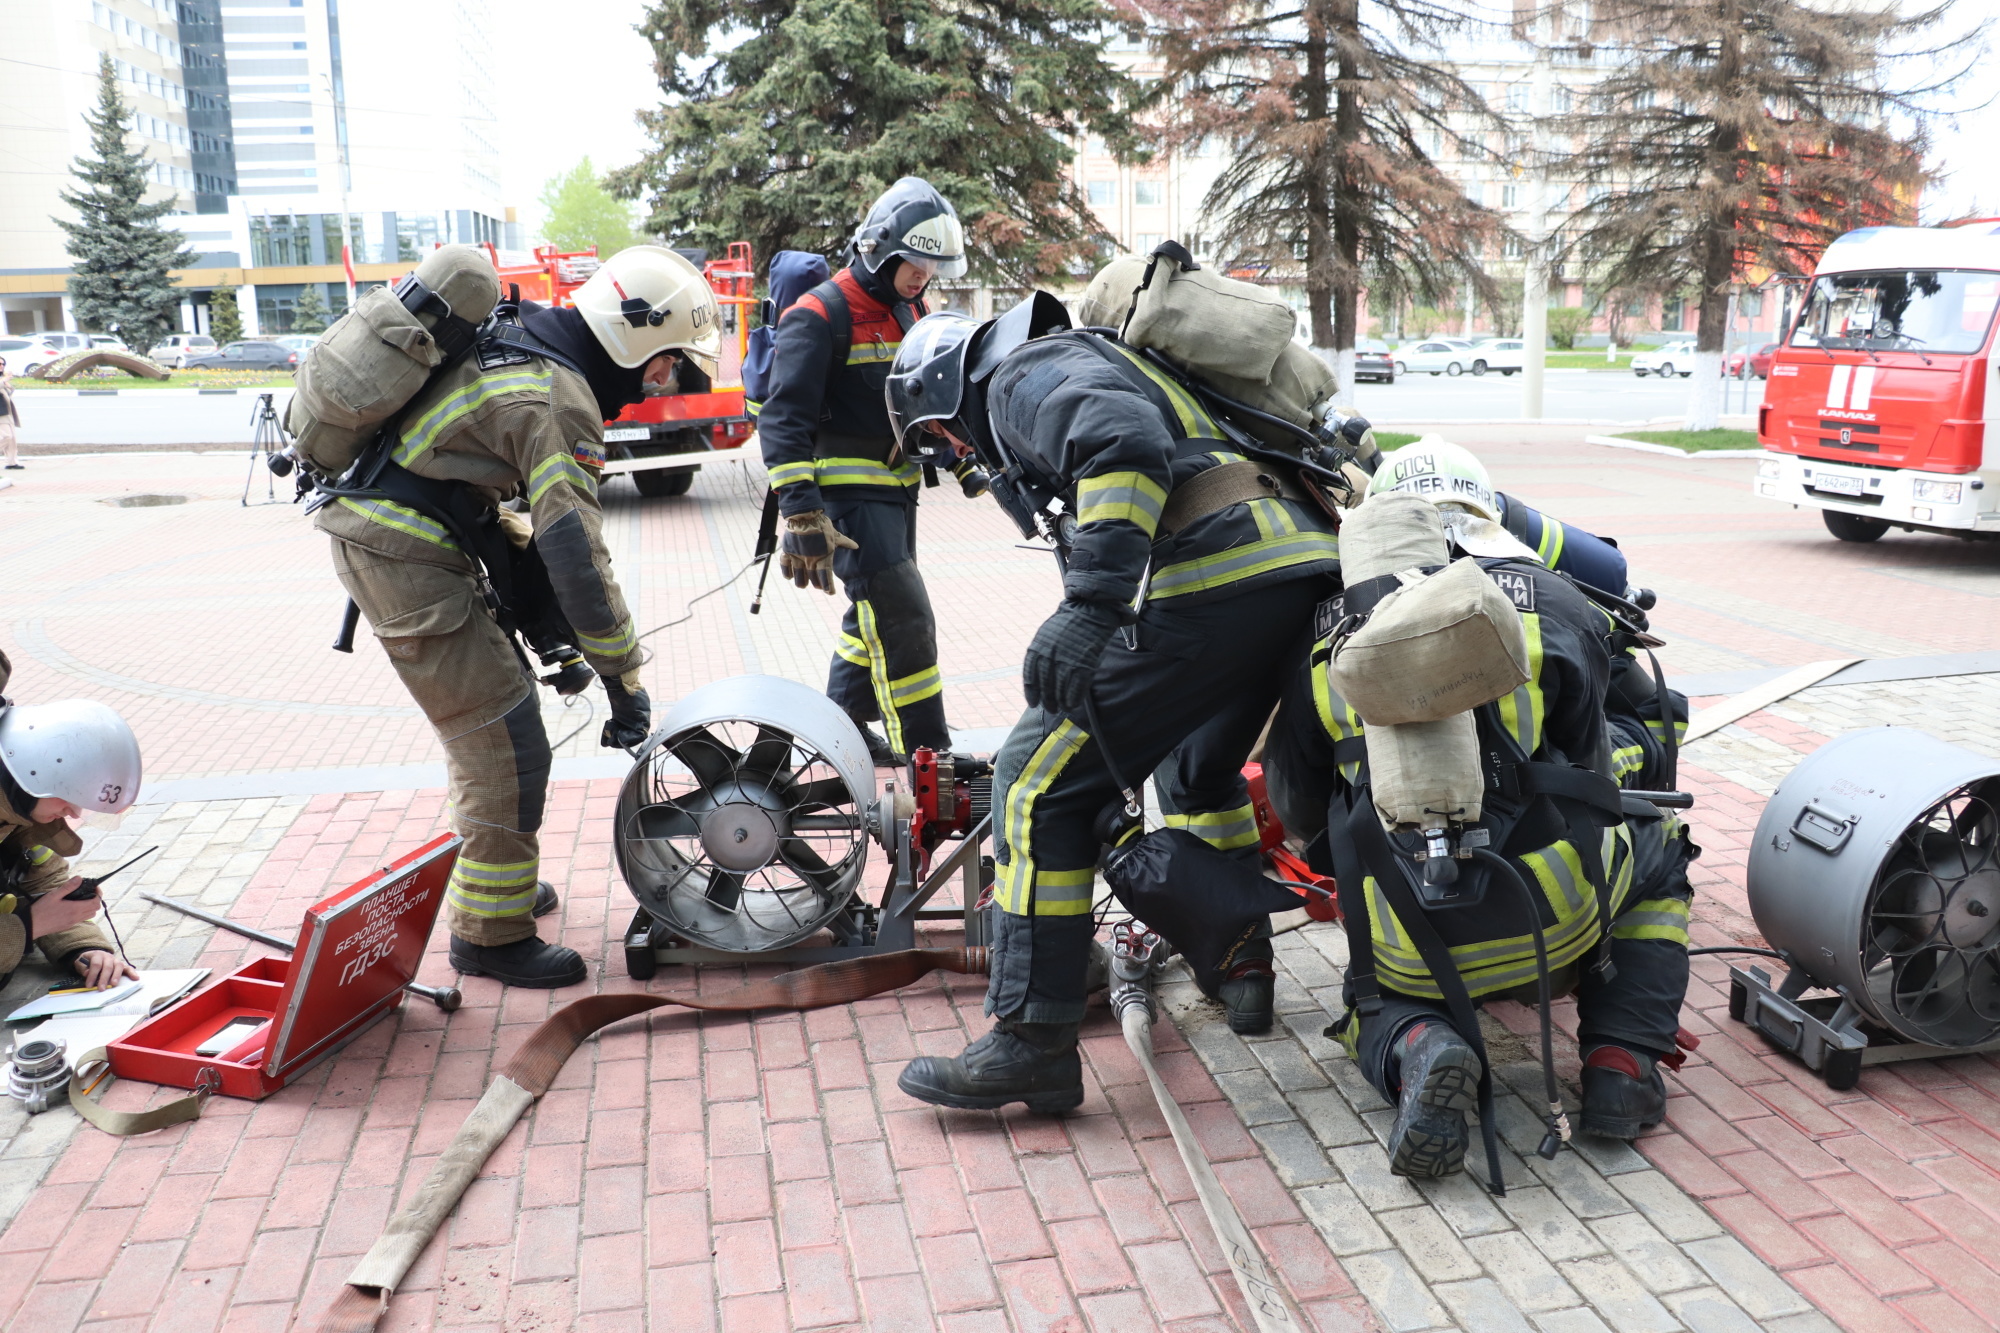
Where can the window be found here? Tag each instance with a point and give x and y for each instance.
(1145, 242)
(1510, 196)
(1560, 100)
(1512, 247)
(1101, 193)
(1517, 99)
(1148, 194)
(1926, 310)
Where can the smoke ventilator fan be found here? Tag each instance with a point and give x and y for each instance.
(1875, 872)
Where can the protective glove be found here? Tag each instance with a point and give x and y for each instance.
(518, 528)
(805, 552)
(631, 718)
(1060, 664)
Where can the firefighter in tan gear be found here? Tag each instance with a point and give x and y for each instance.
(518, 421)
(56, 761)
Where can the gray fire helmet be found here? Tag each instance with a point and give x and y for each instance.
(927, 380)
(914, 223)
(76, 750)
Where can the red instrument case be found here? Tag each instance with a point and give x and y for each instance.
(356, 951)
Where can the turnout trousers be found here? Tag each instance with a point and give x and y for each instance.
(467, 679)
(886, 667)
(1189, 701)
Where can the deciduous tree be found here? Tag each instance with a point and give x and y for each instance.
(1737, 136)
(1335, 114)
(582, 213)
(785, 118)
(119, 253)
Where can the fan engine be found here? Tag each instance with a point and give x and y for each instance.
(1876, 874)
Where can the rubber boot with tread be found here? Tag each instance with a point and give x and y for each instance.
(1440, 1074)
(1248, 995)
(545, 899)
(1033, 1063)
(533, 964)
(1623, 1093)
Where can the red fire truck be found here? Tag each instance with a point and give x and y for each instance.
(661, 442)
(1881, 401)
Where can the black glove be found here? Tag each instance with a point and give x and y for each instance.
(1060, 664)
(631, 716)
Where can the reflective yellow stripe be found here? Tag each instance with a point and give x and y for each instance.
(1659, 730)
(1064, 892)
(1627, 760)
(1336, 716)
(40, 856)
(1016, 887)
(1654, 919)
(1244, 562)
(863, 472)
(1272, 519)
(872, 353)
(622, 641)
(1521, 712)
(392, 515)
(424, 432)
(1131, 496)
(557, 468)
(1550, 548)
(787, 474)
(916, 687)
(485, 888)
(878, 674)
(1196, 424)
(1224, 830)
(853, 650)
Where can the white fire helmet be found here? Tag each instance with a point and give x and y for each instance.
(76, 750)
(647, 300)
(1437, 470)
(914, 223)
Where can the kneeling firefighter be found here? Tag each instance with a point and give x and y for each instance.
(466, 509)
(848, 493)
(1481, 846)
(1193, 554)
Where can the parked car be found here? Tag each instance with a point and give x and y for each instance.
(1437, 356)
(1374, 362)
(1760, 362)
(104, 342)
(250, 354)
(1501, 354)
(295, 342)
(28, 354)
(65, 343)
(174, 349)
(1675, 358)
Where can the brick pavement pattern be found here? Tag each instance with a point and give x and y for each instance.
(720, 1173)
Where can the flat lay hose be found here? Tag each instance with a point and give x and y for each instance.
(365, 1298)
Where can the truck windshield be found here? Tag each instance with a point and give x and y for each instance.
(1918, 310)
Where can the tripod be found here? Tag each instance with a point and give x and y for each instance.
(270, 443)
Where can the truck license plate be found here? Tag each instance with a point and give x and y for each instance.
(626, 433)
(1835, 482)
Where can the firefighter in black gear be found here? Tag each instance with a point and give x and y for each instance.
(1586, 854)
(1188, 585)
(847, 493)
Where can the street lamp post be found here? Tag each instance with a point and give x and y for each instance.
(1535, 276)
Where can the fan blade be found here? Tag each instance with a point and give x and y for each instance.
(665, 820)
(725, 889)
(713, 763)
(810, 865)
(822, 795)
(769, 755)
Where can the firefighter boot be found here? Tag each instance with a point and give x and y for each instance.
(1035, 1063)
(532, 963)
(1440, 1077)
(879, 753)
(1623, 1092)
(1246, 993)
(545, 898)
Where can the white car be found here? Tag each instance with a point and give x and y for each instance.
(1501, 354)
(1673, 359)
(24, 355)
(105, 342)
(1437, 356)
(176, 348)
(296, 342)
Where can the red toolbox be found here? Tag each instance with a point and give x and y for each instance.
(355, 952)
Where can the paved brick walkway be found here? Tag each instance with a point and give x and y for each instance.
(718, 1173)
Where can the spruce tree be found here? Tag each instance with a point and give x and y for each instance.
(225, 319)
(1743, 135)
(120, 254)
(309, 311)
(785, 118)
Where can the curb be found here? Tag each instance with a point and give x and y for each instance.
(1647, 447)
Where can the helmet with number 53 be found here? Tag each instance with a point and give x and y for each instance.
(75, 750)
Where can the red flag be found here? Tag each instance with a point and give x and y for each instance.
(347, 262)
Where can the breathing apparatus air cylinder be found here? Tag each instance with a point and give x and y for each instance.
(1416, 658)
